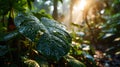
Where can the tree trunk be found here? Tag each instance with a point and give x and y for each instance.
(55, 11)
(71, 10)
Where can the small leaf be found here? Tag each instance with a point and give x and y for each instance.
(42, 13)
(113, 49)
(31, 63)
(10, 35)
(89, 58)
(74, 62)
(107, 35)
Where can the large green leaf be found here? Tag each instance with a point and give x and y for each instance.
(52, 40)
(56, 29)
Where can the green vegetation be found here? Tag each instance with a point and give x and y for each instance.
(31, 34)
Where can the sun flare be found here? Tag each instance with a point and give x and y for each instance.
(78, 8)
(82, 4)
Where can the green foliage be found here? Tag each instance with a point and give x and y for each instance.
(41, 40)
(113, 50)
(31, 63)
(73, 62)
(29, 2)
(36, 37)
(42, 13)
(89, 59)
(82, 50)
(8, 5)
(53, 42)
(29, 26)
(110, 30)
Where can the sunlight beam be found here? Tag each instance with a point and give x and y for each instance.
(82, 4)
(79, 6)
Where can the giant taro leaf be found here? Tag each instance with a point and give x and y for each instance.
(53, 41)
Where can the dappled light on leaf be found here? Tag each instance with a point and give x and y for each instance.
(52, 41)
